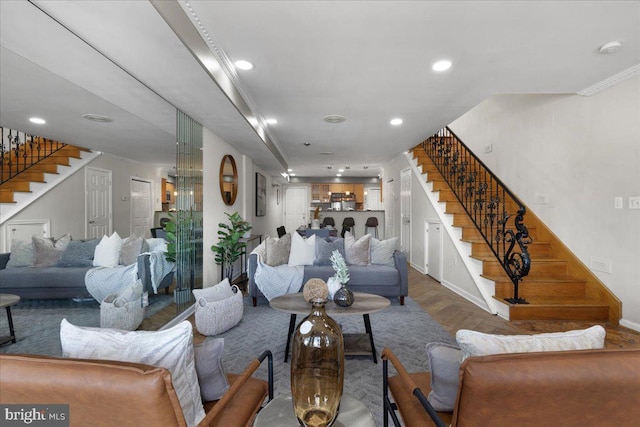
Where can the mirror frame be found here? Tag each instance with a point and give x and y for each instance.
(234, 193)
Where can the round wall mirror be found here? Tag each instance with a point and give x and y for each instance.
(228, 180)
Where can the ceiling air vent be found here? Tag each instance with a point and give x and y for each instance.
(327, 153)
(97, 118)
(334, 118)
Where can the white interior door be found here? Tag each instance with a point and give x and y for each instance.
(98, 210)
(23, 230)
(434, 250)
(296, 208)
(405, 210)
(372, 200)
(140, 204)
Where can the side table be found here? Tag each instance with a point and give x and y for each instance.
(7, 300)
(279, 413)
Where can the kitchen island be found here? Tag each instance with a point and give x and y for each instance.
(360, 217)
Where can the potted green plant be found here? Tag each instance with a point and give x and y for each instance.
(230, 247)
(170, 229)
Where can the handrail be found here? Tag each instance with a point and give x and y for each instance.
(495, 211)
(20, 153)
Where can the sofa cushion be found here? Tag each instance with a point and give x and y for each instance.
(444, 365)
(324, 249)
(277, 250)
(357, 251)
(171, 349)
(381, 251)
(49, 251)
(79, 253)
(22, 254)
(211, 376)
(475, 343)
(107, 252)
(303, 251)
(131, 248)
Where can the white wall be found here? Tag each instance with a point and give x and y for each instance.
(64, 205)
(214, 149)
(581, 152)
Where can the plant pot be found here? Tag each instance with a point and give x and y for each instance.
(315, 224)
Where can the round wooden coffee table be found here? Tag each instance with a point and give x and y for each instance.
(7, 300)
(354, 344)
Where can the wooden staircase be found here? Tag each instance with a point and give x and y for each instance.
(36, 173)
(559, 286)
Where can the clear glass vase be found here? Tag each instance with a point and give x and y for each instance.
(317, 368)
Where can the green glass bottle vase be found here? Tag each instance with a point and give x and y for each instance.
(317, 368)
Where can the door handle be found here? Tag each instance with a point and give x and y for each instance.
(92, 222)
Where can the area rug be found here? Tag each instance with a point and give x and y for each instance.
(405, 329)
(37, 321)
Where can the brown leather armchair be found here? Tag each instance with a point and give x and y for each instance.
(108, 393)
(560, 388)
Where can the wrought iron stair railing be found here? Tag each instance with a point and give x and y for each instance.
(494, 209)
(20, 151)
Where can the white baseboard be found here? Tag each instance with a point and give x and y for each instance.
(420, 269)
(466, 295)
(629, 324)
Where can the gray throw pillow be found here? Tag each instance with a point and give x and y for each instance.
(79, 253)
(357, 252)
(22, 254)
(444, 364)
(211, 377)
(382, 251)
(49, 251)
(278, 250)
(324, 249)
(131, 248)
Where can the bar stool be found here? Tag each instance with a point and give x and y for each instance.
(329, 221)
(348, 224)
(372, 222)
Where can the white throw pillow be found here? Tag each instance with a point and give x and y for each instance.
(107, 252)
(303, 251)
(475, 343)
(155, 244)
(214, 293)
(171, 349)
(211, 376)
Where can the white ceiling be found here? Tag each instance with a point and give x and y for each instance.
(367, 60)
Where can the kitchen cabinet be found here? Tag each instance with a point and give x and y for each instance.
(358, 190)
(167, 190)
(320, 193)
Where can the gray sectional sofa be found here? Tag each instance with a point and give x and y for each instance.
(61, 282)
(381, 280)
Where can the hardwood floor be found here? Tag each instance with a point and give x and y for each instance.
(454, 312)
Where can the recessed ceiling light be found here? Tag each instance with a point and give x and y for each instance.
(37, 120)
(243, 65)
(271, 121)
(442, 65)
(289, 170)
(334, 118)
(97, 118)
(340, 170)
(338, 174)
(396, 122)
(292, 174)
(306, 144)
(610, 47)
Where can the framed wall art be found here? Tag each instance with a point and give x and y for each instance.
(261, 195)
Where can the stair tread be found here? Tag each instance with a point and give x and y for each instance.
(559, 278)
(490, 258)
(550, 301)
